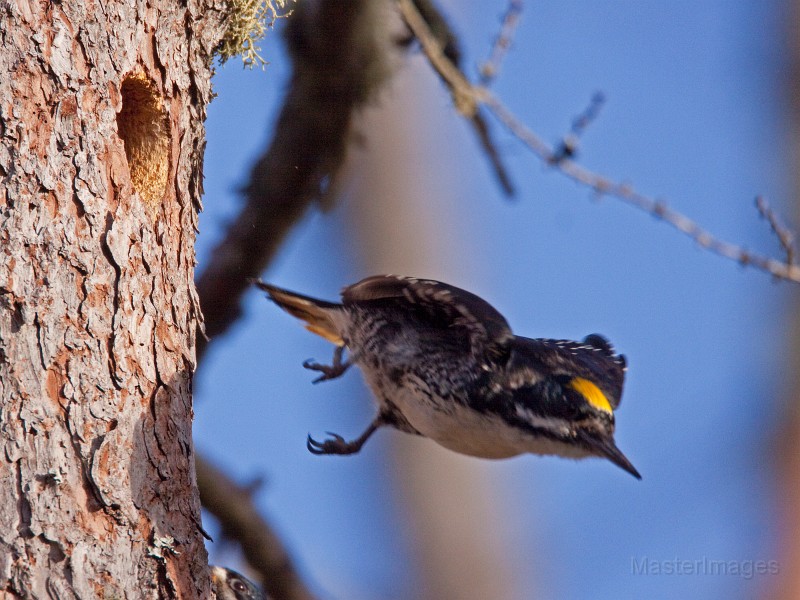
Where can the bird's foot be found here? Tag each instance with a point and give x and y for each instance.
(338, 445)
(335, 445)
(333, 371)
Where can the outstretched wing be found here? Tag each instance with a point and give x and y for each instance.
(593, 359)
(444, 305)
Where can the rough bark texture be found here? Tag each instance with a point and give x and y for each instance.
(101, 138)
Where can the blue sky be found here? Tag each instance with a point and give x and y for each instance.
(693, 116)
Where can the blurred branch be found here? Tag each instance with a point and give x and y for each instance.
(502, 42)
(469, 97)
(447, 41)
(233, 506)
(568, 148)
(784, 235)
(337, 66)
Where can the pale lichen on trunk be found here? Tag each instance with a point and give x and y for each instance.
(101, 140)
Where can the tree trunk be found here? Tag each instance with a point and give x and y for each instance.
(101, 139)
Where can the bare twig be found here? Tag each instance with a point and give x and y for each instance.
(588, 116)
(232, 505)
(447, 42)
(491, 67)
(490, 149)
(784, 235)
(472, 96)
(568, 147)
(464, 95)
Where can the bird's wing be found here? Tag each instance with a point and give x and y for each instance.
(593, 359)
(442, 304)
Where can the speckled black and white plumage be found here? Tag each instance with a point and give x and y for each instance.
(444, 364)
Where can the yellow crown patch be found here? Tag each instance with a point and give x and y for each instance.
(592, 393)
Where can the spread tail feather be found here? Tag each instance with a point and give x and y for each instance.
(316, 313)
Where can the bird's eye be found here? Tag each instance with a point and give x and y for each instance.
(238, 585)
(499, 354)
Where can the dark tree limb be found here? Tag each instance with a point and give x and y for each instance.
(338, 64)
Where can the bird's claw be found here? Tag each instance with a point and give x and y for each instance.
(335, 445)
(328, 371)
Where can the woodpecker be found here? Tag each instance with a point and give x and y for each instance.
(443, 363)
(230, 585)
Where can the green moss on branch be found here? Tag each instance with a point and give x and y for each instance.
(247, 24)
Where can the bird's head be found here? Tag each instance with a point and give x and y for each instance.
(230, 585)
(565, 393)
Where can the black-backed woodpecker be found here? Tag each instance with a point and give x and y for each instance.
(444, 364)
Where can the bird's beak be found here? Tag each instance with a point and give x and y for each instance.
(606, 448)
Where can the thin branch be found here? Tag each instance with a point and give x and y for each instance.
(472, 96)
(784, 235)
(491, 67)
(490, 150)
(232, 505)
(568, 147)
(447, 42)
(590, 113)
(465, 98)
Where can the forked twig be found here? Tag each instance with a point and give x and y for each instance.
(447, 42)
(785, 235)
